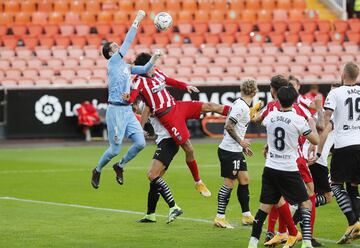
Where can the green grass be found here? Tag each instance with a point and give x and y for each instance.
(62, 175)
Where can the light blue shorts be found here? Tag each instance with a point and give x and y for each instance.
(121, 121)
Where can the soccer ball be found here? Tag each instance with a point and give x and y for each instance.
(163, 21)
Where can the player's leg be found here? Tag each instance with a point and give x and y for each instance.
(157, 169)
(269, 196)
(134, 132)
(322, 188)
(114, 122)
(243, 195)
(192, 164)
(223, 200)
(353, 191)
(273, 217)
(215, 108)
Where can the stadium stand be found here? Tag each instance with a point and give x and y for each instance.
(56, 41)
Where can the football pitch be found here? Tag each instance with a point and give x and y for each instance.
(46, 201)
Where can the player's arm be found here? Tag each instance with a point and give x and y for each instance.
(234, 117)
(143, 69)
(145, 114)
(320, 122)
(130, 98)
(310, 133)
(329, 106)
(323, 137)
(130, 36)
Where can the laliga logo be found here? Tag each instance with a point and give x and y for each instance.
(48, 109)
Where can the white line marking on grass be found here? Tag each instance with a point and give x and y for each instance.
(8, 198)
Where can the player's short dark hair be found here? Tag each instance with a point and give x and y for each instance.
(352, 70)
(142, 58)
(287, 96)
(278, 81)
(106, 50)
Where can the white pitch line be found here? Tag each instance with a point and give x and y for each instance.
(8, 198)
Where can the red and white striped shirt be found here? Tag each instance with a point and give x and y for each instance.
(153, 90)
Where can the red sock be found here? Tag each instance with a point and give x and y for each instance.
(282, 225)
(313, 212)
(273, 216)
(284, 212)
(226, 110)
(194, 170)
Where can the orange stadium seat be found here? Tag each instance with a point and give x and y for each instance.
(77, 6)
(281, 69)
(231, 27)
(61, 6)
(337, 37)
(82, 29)
(185, 28)
(217, 15)
(161, 39)
(19, 29)
(250, 69)
(3, 30)
(220, 5)
(316, 59)
(28, 6)
(8, 82)
(354, 25)
(63, 41)
(246, 27)
(335, 47)
(60, 81)
(189, 5)
(302, 59)
(324, 26)
(13, 73)
(185, 16)
(224, 50)
(34, 63)
(209, 50)
(237, 4)
(70, 63)
(252, 60)
(72, 17)
(297, 69)
(221, 60)
(292, 38)
(144, 5)
(11, 6)
(196, 39)
(279, 27)
(227, 39)
(51, 29)
(88, 18)
(280, 15)
(96, 80)
(202, 16)
(67, 73)
(242, 38)
(270, 49)
(264, 27)
(295, 27)
(6, 18)
(248, 15)
(276, 39)
(30, 73)
(5, 63)
(44, 6)
(173, 5)
(255, 49)
(304, 48)
(319, 48)
(106, 17)
(322, 38)
(283, 4)
(42, 52)
(234, 68)
(78, 41)
(86, 62)
(189, 49)
(296, 15)
(258, 38)
(201, 27)
(67, 29)
(39, 18)
(93, 40)
(239, 49)
(157, 5)
(146, 40)
(103, 28)
(346, 58)
(330, 67)
(253, 4)
(23, 52)
(268, 59)
(26, 81)
(74, 52)
(35, 29)
(30, 41)
(268, 4)
(341, 26)
(10, 41)
(309, 26)
(264, 15)
(22, 18)
(351, 47)
(202, 60)
(233, 15)
(148, 28)
(307, 37)
(215, 27)
(205, 5)
(55, 18)
(331, 58)
(93, 6)
(353, 37)
(79, 81)
(299, 4)
(184, 70)
(99, 72)
(212, 39)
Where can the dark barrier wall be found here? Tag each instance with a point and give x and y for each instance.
(49, 113)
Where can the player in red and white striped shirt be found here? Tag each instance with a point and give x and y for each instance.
(171, 113)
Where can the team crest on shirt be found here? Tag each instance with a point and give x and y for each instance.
(158, 88)
(234, 172)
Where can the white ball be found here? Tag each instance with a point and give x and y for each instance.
(163, 21)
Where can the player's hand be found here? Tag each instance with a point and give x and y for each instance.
(248, 152)
(265, 151)
(245, 143)
(192, 89)
(126, 96)
(318, 101)
(254, 110)
(146, 134)
(157, 55)
(140, 15)
(312, 154)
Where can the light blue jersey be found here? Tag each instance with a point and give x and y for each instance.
(120, 119)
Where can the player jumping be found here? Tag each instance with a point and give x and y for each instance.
(173, 114)
(231, 155)
(281, 175)
(120, 118)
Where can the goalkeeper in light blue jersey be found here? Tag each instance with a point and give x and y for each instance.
(120, 118)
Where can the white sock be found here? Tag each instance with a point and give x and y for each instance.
(198, 182)
(221, 216)
(246, 214)
(254, 241)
